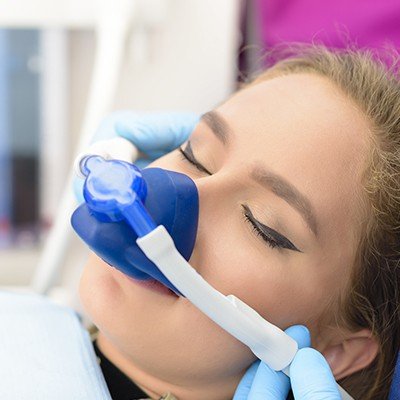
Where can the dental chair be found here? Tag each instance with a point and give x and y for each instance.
(47, 354)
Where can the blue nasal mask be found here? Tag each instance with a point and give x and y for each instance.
(116, 192)
(144, 223)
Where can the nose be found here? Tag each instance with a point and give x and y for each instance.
(217, 195)
(216, 192)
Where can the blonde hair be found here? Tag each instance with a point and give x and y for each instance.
(373, 299)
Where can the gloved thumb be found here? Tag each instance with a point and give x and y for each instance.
(261, 382)
(156, 134)
(312, 378)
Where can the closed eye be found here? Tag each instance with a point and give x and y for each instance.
(189, 156)
(269, 235)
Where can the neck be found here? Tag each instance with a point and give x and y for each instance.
(155, 388)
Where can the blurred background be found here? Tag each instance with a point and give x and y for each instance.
(65, 64)
(58, 61)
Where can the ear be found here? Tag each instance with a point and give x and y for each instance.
(354, 353)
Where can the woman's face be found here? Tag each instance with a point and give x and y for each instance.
(279, 180)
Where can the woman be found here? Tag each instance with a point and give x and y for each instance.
(298, 176)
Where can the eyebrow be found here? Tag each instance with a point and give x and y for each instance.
(285, 190)
(217, 125)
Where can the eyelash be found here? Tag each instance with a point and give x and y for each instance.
(271, 242)
(193, 161)
(246, 212)
(274, 239)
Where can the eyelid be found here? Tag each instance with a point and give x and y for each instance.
(281, 240)
(190, 157)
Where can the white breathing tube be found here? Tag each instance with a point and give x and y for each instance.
(265, 340)
(268, 342)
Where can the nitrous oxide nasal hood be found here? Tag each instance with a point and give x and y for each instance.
(116, 192)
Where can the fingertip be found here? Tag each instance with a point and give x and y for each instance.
(300, 334)
(243, 389)
(311, 375)
(269, 384)
(309, 354)
(312, 363)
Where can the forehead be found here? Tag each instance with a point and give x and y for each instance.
(298, 106)
(302, 127)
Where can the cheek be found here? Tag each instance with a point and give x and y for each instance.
(96, 285)
(282, 291)
(101, 294)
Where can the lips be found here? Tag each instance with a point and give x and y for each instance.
(153, 285)
(150, 284)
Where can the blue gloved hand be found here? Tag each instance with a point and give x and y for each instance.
(153, 134)
(310, 376)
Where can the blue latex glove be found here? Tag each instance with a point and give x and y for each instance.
(310, 376)
(154, 134)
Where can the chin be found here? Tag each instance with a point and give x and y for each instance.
(119, 307)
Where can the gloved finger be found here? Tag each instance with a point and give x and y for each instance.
(312, 378)
(300, 334)
(242, 391)
(260, 382)
(106, 129)
(152, 133)
(269, 384)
